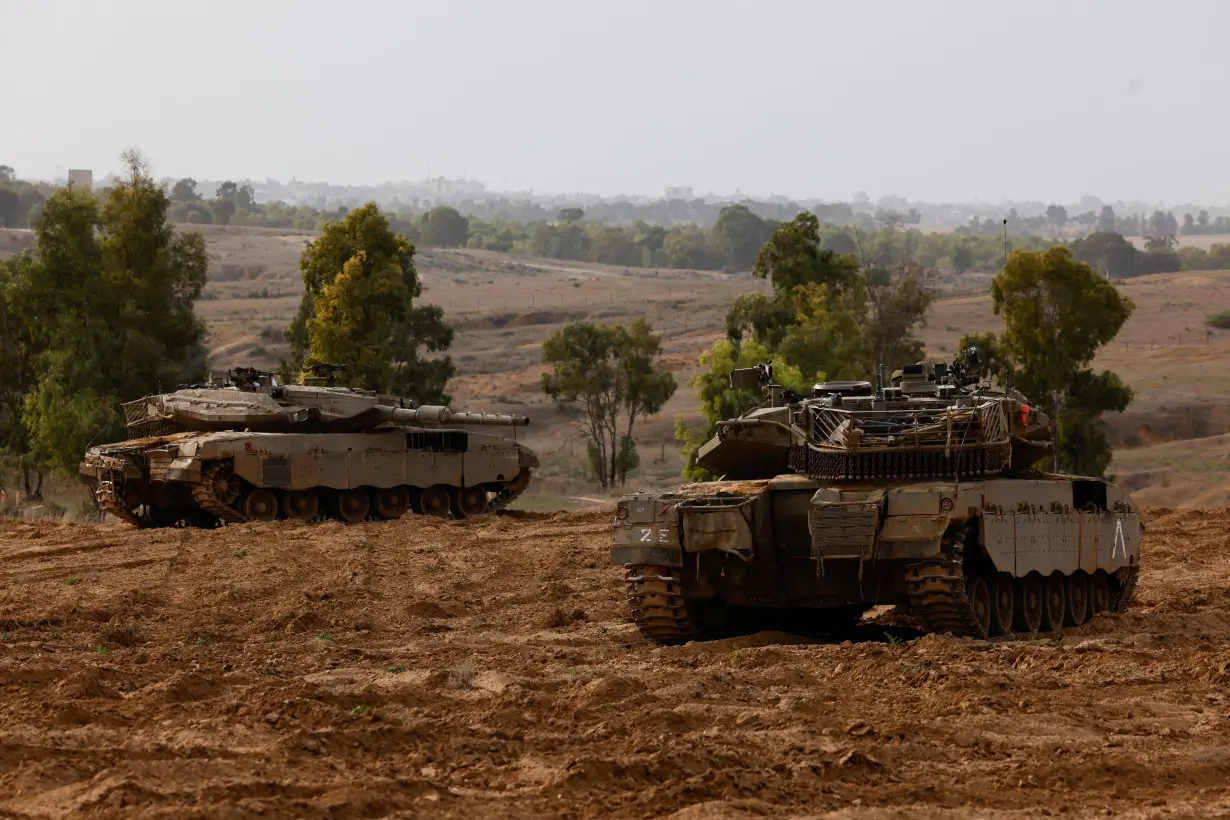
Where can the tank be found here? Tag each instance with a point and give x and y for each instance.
(919, 493)
(251, 449)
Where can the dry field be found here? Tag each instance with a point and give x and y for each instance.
(486, 669)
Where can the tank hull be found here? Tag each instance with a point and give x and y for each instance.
(979, 558)
(202, 478)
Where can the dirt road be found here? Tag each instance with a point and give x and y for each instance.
(485, 669)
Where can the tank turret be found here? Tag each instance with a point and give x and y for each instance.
(254, 400)
(249, 448)
(931, 420)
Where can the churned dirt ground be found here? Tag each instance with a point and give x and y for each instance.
(486, 669)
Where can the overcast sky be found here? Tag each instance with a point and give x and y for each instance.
(928, 100)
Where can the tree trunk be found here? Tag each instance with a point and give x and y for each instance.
(1057, 399)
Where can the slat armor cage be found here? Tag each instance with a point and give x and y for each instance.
(141, 424)
(852, 445)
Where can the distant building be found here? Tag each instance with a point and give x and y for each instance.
(682, 192)
(454, 188)
(80, 179)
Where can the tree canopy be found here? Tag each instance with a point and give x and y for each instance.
(1058, 312)
(358, 310)
(101, 312)
(613, 373)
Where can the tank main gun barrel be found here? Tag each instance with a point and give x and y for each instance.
(435, 414)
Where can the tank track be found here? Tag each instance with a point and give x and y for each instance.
(205, 494)
(502, 499)
(106, 496)
(1129, 589)
(936, 590)
(657, 604)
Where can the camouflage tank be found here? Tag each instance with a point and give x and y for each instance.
(918, 494)
(250, 449)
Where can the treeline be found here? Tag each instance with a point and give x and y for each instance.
(730, 243)
(99, 313)
(19, 201)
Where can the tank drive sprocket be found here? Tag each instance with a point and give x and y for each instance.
(217, 487)
(938, 594)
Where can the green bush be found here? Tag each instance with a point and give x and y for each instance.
(1221, 321)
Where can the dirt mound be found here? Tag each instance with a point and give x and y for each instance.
(487, 668)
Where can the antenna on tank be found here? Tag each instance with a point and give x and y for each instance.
(1005, 242)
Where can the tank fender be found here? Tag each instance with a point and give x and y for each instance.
(646, 532)
(912, 536)
(184, 469)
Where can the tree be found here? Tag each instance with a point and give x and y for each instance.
(226, 189)
(898, 301)
(1161, 242)
(358, 310)
(224, 209)
(963, 257)
(1106, 220)
(1109, 252)
(185, 190)
(1057, 216)
(571, 215)
(17, 375)
(7, 174)
(10, 203)
(793, 256)
(1058, 312)
(739, 234)
(614, 373)
(108, 299)
(445, 227)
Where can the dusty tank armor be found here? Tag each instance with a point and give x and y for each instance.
(919, 494)
(251, 449)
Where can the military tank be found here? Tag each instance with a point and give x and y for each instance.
(920, 493)
(251, 449)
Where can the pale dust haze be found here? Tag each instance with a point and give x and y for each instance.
(943, 101)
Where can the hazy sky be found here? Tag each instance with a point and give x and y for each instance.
(930, 100)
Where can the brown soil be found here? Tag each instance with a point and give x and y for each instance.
(487, 669)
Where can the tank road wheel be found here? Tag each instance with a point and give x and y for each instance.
(468, 502)
(1099, 593)
(1076, 587)
(1029, 604)
(978, 591)
(259, 505)
(434, 501)
(1004, 605)
(352, 506)
(390, 502)
(300, 505)
(1055, 602)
